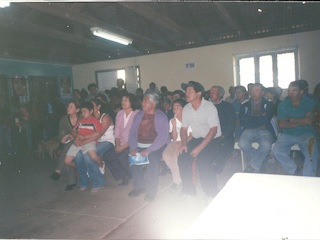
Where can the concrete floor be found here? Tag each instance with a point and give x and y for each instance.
(34, 206)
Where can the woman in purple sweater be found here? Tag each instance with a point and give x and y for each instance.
(148, 136)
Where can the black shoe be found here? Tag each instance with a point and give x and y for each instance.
(136, 192)
(124, 182)
(55, 176)
(149, 197)
(69, 187)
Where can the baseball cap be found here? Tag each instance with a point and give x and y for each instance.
(196, 86)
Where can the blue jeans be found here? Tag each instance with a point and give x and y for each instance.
(256, 156)
(308, 146)
(88, 169)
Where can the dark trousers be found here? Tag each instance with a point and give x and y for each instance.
(148, 178)
(70, 172)
(118, 163)
(205, 164)
(227, 147)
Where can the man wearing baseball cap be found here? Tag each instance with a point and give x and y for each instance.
(202, 116)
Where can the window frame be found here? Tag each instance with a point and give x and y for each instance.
(273, 54)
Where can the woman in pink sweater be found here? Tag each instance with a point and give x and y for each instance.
(117, 157)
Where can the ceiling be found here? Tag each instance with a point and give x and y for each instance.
(59, 32)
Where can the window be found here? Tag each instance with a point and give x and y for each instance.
(274, 68)
(107, 79)
(246, 71)
(121, 74)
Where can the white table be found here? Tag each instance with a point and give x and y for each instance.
(261, 206)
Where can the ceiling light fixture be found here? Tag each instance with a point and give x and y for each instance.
(110, 36)
(4, 4)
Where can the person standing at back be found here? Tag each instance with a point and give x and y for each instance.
(153, 89)
(93, 91)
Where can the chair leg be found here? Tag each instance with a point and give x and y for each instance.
(243, 161)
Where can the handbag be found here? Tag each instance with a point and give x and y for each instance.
(138, 159)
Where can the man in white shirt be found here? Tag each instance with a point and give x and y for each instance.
(202, 116)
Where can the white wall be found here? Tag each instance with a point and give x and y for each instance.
(213, 64)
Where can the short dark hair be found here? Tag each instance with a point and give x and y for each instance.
(180, 92)
(92, 85)
(295, 84)
(165, 100)
(87, 105)
(139, 89)
(120, 80)
(303, 85)
(83, 93)
(180, 101)
(273, 91)
(97, 101)
(134, 100)
(76, 103)
(241, 88)
(260, 85)
(164, 89)
(102, 96)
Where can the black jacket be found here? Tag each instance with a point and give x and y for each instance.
(250, 122)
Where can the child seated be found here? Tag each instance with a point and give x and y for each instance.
(85, 126)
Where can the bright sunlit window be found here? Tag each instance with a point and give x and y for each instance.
(286, 69)
(246, 70)
(265, 71)
(121, 74)
(274, 68)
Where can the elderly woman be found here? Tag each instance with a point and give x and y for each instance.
(117, 158)
(148, 136)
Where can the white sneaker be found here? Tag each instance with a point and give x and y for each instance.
(103, 168)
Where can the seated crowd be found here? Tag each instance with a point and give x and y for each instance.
(181, 129)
